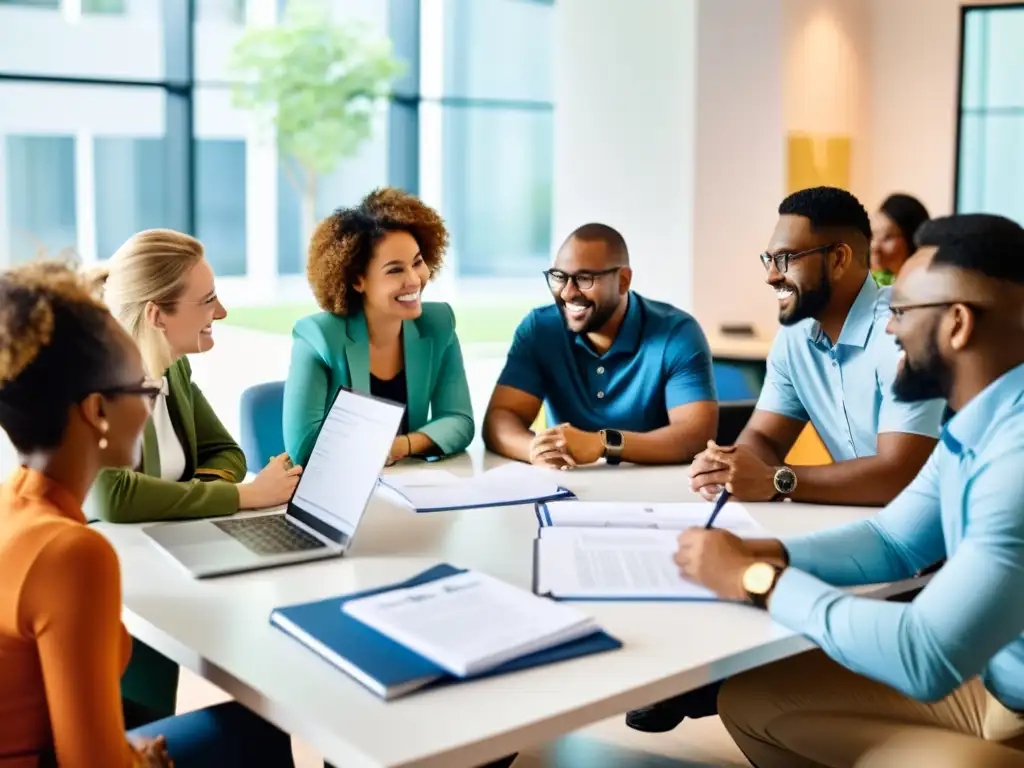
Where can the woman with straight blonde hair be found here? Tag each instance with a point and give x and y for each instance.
(161, 289)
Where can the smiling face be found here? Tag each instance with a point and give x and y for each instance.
(805, 289)
(889, 249)
(394, 278)
(188, 323)
(588, 309)
(922, 373)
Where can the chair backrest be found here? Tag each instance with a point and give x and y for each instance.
(732, 418)
(731, 382)
(262, 409)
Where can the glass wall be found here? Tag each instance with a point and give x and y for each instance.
(991, 151)
(123, 115)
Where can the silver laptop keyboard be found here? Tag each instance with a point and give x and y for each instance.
(269, 534)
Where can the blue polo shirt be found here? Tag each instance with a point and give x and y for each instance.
(845, 389)
(966, 504)
(659, 360)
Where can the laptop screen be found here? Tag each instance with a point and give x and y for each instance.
(349, 453)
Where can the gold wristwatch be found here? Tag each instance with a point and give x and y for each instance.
(759, 581)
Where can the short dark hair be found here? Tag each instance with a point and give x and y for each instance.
(907, 213)
(982, 242)
(829, 208)
(342, 244)
(602, 233)
(56, 347)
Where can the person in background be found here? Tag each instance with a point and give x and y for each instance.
(368, 267)
(940, 680)
(892, 235)
(161, 288)
(622, 377)
(831, 364)
(74, 398)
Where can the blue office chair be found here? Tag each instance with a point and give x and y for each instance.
(731, 382)
(262, 409)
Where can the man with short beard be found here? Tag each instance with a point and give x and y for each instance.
(832, 364)
(940, 680)
(623, 377)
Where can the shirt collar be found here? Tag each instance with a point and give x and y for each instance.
(28, 483)
(627, 340)
(859, 320)
(967, 428)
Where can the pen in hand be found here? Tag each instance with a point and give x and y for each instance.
(719, 503)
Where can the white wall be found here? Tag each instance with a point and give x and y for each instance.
(915, 68)
(625, 78)
(740, 152)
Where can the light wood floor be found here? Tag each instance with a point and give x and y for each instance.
(610, 744)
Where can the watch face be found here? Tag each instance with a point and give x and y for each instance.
(613, 438)
(785, 480)
(758, 578)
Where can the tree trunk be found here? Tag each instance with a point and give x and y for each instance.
(308, 217)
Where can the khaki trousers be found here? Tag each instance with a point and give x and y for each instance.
(809, 712)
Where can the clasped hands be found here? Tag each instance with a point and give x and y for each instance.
(733, 467)
(565, 447)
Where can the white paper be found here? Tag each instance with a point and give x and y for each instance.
(421, 478)
(611, 563)
(470, 622)
(507, 484)
(676, 516)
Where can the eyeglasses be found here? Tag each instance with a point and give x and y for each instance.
(149, 389)
(898, 310)
(782, 260)
(583, 281)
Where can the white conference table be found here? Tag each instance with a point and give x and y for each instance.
(219, 629)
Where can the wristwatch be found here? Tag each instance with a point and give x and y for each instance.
(784, 480)
(759, 581)
(612, 441)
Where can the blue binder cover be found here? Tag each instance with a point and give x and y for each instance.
(386, 667)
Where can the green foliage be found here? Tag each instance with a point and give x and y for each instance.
(318, 83)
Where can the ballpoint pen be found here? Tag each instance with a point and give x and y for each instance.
(719, 503)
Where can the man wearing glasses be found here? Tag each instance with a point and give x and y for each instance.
(623, 377)
(832, 364)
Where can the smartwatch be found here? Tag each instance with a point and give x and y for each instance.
(759, 581)
(785, 481)
(612, 441)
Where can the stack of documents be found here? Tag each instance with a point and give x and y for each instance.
(614, 551)
(441, 626)
(509, 484)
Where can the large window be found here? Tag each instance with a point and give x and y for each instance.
(991, 147)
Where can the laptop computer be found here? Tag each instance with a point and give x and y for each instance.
(321, 518)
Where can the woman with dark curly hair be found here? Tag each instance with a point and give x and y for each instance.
(74, 397)
(368, 267)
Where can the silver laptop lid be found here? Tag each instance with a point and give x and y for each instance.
(350, 451)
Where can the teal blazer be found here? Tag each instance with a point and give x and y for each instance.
(330, 352)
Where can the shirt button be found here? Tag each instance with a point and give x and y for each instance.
(835, 364)
(600, 395)
(600, 370)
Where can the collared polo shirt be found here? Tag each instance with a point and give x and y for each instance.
(659, 360)
(967, 504)
(845, 389)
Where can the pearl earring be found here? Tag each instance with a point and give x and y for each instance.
(104, 426)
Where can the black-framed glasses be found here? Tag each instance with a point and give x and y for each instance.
(782, 259)
(148, 388)
(557, 279)
(898, 310)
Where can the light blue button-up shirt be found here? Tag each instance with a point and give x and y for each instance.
(967, 504)
(845, 389)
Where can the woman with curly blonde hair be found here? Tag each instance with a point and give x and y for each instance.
(368, 267)
(74, 397)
